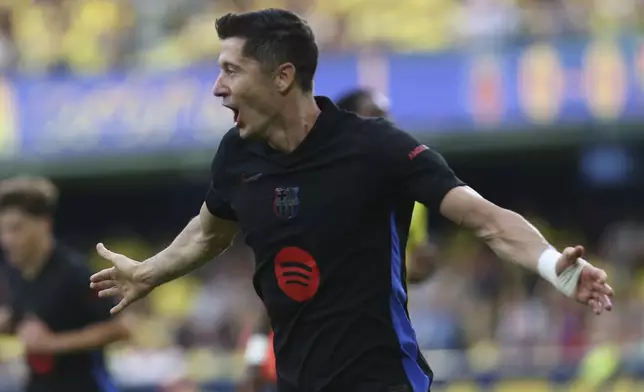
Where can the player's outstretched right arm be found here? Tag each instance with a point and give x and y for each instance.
(201, 240)
(205, 237)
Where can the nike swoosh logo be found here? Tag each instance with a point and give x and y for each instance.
(252, 178)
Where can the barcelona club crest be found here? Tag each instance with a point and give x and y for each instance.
(286, 202)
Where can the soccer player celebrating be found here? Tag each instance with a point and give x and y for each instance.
(259, 356)
(324, 198)
(62, 323)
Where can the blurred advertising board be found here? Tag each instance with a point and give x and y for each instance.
(544, 85)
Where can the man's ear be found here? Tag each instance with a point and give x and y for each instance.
(285, 77)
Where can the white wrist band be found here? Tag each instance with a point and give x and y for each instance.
(547, 266)
(567, 281)
(256, 350)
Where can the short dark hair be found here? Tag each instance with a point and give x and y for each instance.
(351, 100)
(273, 37)
(34, 195)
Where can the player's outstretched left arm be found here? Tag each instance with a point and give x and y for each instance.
(426, 177)
(514, 239)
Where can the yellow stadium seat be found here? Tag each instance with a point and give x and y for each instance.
(174, 299)
(626, 385)
(10, 348)
(92, 21)
(419, 25)
(38, 34)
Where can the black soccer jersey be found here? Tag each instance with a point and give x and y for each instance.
(61, 298)
(328, 224)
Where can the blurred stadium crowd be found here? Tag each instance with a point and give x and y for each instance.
(91, 36)
(475, 315)
(476, 318)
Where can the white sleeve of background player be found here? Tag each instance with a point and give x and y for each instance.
(256, 350)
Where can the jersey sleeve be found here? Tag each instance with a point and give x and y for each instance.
(217, 196)
(422, 172)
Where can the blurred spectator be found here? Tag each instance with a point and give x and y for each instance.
(226, 304)
(39, 32)
(8, 49)
(436, 318)
(547, 19)
(487, 22)
(90, 36)
(93, 34)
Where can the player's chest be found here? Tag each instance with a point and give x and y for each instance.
(49, 299)
(326, 194)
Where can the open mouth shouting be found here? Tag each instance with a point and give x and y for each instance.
(235, 113)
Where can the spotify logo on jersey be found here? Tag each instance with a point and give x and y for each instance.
(297, 273)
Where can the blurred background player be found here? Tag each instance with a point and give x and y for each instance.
(259, 359)
(259, 356)
(62, 324)
(420, 253)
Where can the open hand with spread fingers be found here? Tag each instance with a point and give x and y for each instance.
(123, 279)
(592, 289)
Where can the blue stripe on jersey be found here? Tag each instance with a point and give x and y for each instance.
(420, 382)
(103, 379)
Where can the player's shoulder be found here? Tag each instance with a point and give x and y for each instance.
(378, 129)
(382, 137)
(349, 120)
(364, 129)
(229, 146)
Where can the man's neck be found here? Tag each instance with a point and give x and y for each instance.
(295, 123)
(38, 259)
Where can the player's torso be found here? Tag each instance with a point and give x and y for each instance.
(52, 299)
(321, 233)
(304, 218)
